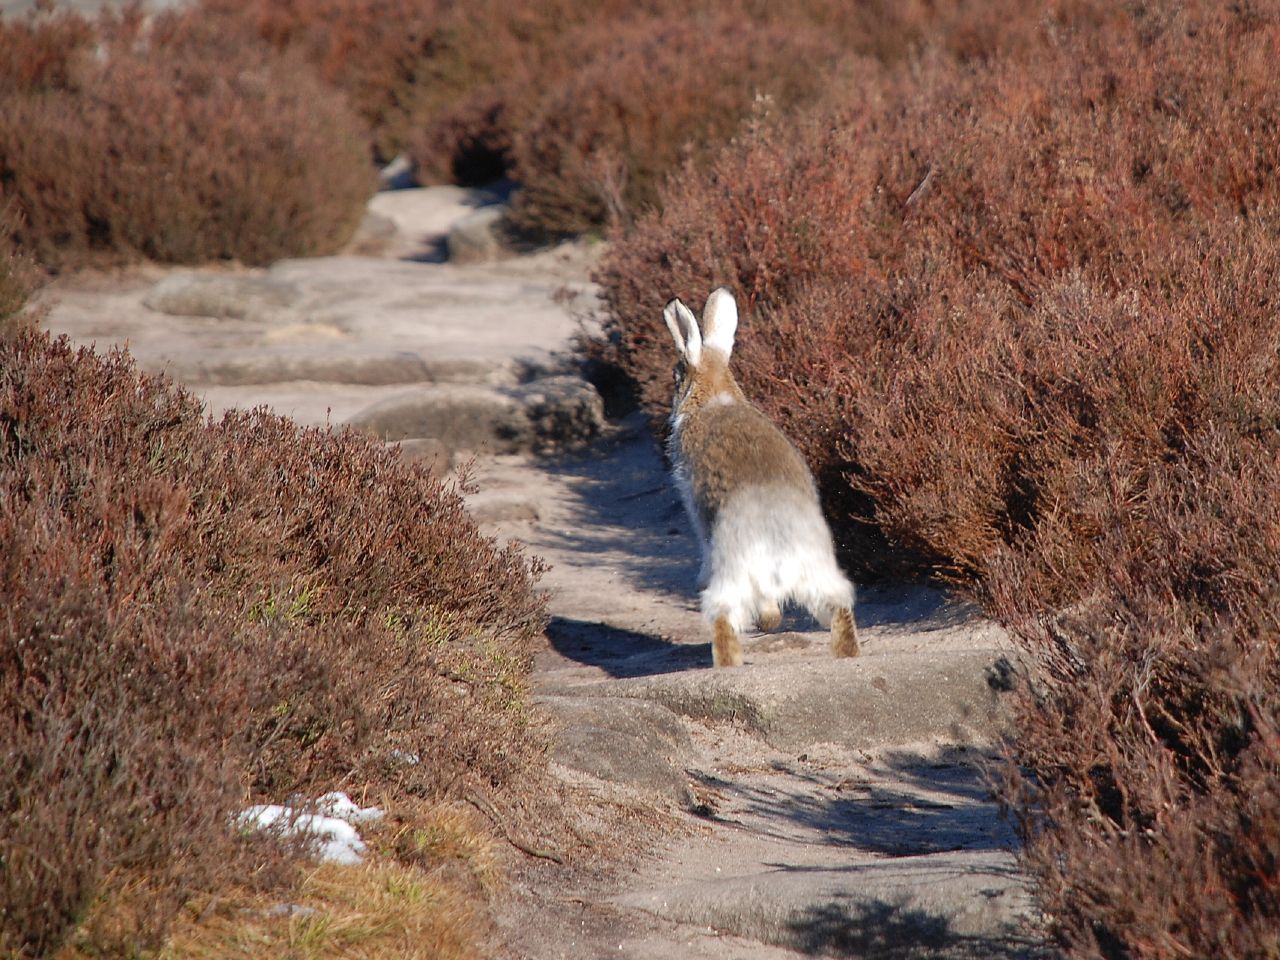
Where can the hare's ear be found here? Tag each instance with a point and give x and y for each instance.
(720, 320)
(684, 331)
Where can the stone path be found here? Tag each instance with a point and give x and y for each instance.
(824, 807)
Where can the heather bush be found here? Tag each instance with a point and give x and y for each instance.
(379, 53)
(595, 121)
(166, 139)
(561, 93)
(1018, 314)
(114, 729)
(1149, 746)
(868, 239)
(199, 613)
(650, 94)
(18, 275)
(441, 80)
(546, 50)
(493, 67)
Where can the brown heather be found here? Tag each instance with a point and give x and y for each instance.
(862, 238)
(648, 96)
(494, 62)
(1147, 764)
(377, 52)
(589, 105)
(18, 276)
(1019, 313)
(198, 615)
(166, 139)
(495, 69)
(443, 80)
(1009, 285)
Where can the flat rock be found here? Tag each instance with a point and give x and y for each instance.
(955, 697)
(961, 904)
(638, 743)
(283, 364)
(499, 507)
(563, 410)
(463, 416)
(323, 356)
(550, 413)
(424, 211)
(374, 236)
(478, 237)
(223, 295)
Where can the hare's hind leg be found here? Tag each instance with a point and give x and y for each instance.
(770, 616)
(726, 648)
(844, 633)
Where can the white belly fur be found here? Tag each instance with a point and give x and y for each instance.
(770, 546)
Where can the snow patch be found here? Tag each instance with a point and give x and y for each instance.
(331, 826)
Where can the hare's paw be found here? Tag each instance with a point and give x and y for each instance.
(844, 634)
(726, 648)
(770, 616)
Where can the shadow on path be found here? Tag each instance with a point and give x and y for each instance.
(911, 806)
(623, 653)
(917, 606)
(628, 512)
(898, 931)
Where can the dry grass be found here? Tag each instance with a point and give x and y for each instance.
(369, 910)
(424, 892)
(433, 835)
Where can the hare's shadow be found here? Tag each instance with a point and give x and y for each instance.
(623, 653)
(628, 511)
(629, 516)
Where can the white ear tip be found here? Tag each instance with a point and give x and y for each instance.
(722, 300)
(720, 320)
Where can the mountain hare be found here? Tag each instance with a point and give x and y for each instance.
(749, 494)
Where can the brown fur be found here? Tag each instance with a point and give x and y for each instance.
(726, 648)
(766, 457)
(712, 377)
(844, 634)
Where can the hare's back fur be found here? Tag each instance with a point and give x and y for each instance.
(766, 542)
(734, 448)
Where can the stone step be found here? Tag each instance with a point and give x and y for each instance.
(962, 904)
(549, 413)
(880, 699)
(333, 362)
